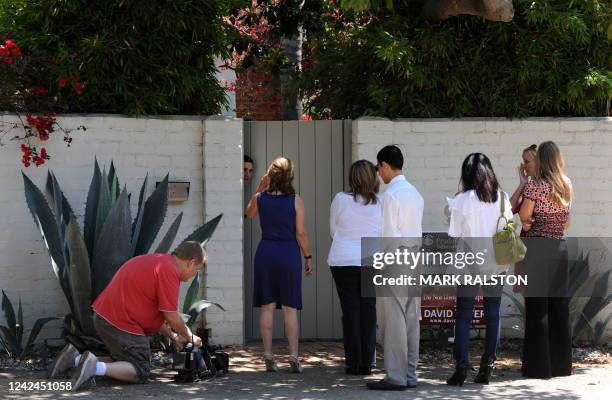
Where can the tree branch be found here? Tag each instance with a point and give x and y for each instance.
(492, 10)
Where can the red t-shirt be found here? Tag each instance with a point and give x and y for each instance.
(141, 289)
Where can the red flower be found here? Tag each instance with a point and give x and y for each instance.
(31, 120)
(4, 51)
(38, 161)
(38, 91)
(79, 87)
(63, 82)
(10, 44)
(16, 51)
(43, 154)
(8, 60)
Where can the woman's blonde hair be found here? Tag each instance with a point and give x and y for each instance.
(280, 174)
(363, 181)
(532, 151)
(550, 168)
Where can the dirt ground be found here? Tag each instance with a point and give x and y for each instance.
(324, 378)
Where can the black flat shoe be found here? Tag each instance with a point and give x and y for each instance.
(384, 385)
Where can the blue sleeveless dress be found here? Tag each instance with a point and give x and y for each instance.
(278, 263)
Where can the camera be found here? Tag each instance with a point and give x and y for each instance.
(193, 364)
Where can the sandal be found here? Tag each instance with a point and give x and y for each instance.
(296, 366)
(271, 365)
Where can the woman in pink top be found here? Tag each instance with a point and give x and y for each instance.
(545, 214)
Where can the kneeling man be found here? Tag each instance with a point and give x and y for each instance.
(141, 299)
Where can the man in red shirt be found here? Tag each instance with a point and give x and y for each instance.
(141, 299)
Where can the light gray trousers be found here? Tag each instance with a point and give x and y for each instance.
(401, 335)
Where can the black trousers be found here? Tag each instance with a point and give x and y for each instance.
(547, 348)
(358, 318)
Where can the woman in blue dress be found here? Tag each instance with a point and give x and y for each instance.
(278, 264)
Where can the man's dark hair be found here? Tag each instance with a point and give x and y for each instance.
(392, 155)
(190, 250)
(477, 174)
(248, 159)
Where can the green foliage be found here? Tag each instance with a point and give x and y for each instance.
(553, 59)
(85, 262)
(11, 336)
(590, 293)
(134, 56)
(192, 307)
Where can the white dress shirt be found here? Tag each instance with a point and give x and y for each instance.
(349, 221)
(402, 209)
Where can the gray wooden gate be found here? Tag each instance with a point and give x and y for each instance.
(321, 151)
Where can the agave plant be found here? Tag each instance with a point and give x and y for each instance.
(11, 336)
(192, 307)
(590, 295)
(85, 261)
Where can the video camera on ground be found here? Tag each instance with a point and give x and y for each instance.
(193, 364)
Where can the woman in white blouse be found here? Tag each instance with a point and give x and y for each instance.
(475, 212)
(354, 215)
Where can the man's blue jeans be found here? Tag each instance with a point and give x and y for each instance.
(465, 305)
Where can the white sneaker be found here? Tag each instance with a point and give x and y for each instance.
(63, 362)
(84, 371)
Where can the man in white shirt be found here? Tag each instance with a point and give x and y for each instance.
(402, 208)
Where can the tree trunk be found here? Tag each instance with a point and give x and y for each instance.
(292, 106)
(492, 10)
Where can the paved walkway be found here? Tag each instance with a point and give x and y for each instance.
(324, 378)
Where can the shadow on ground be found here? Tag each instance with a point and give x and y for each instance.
(324, 378)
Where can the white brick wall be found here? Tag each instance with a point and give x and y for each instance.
(223, 185)
(138, 146)
(435, 148)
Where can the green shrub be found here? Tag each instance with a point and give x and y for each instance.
(134, 56)
(553, 59)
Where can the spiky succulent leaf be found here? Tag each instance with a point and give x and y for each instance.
(153, 217)
(200, 305)
(137, 225)
(113, 247)
(192, 293)
(91, 209)
(165, 244)
(9, 314)
(38, 325)
(10, 342)
(105, 203)
(80, 277)
(50, 231)
(205, 232)
(113, 182)
(19, 327)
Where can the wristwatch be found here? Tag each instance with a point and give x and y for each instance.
(174, 336)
